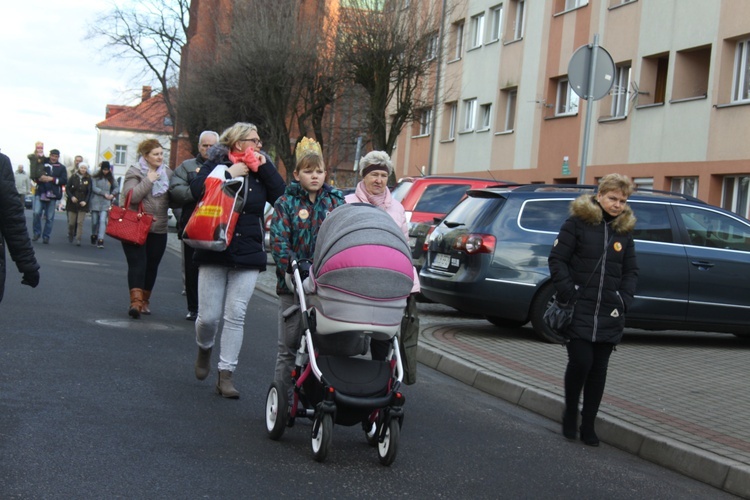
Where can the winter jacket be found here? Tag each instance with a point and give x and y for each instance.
(179, 190)
(154, 205)
(36, 166)
(599, 314)
(13, 232)
(246, 249)
(53, 187)
(101, 186)
(79, 186)
(295, 224)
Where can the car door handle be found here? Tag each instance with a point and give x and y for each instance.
(702, 264)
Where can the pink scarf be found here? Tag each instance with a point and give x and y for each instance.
(247, 157)
(379, 200)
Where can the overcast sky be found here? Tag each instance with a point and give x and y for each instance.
(54, 85)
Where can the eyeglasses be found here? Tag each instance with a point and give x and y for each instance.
(257, 142)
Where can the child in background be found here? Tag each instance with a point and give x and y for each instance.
(298, 214)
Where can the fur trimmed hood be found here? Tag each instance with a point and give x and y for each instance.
(586, 208)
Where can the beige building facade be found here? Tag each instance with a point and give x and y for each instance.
(675, 118)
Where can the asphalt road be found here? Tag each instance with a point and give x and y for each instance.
(95, 405)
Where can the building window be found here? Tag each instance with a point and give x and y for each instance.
(741, 81)
(485, 116)
(516, 14)
(425, 122)
(736, 195)
(643, 183)
(477, 30)
(451, 114)
(567, 100)
(496, 18)
(685, 185)
(509, 98)
(574, 4)
(654, 79)
(121, 154)
(691, 70)
(470, 113)
(458, 39)
(432, 47)
(620, 92)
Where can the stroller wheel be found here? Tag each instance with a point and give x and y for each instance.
(321, 436)
(371, 432)
(389, 447)
(277, 411)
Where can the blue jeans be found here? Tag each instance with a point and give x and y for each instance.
(48, 208)
(99, 219)
(223, 293)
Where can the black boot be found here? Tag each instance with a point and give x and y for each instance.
(588, 434)
(569, 424)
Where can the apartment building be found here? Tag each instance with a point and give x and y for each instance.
(674, 118)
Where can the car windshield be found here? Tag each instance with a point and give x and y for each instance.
(473, 210)
(400, 191)
(440, 198)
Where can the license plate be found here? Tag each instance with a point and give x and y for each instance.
(412, 242)
(442, 261)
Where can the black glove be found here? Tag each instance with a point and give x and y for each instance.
(30, 278)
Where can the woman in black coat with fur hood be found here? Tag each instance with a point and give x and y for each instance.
(600, 226)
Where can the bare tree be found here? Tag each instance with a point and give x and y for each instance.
(390, 51)
(151, 34)
(275, 67)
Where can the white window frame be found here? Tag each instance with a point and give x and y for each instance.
(520, 19)
(574, 4)
(425, 122)
(477, 30)
(567, 102)
(485, 116)
(741, 80)
(685, 185)
(459, 40)
(452, 123)
(432, 47)
(510, 110)
(738, 201)
(496, 18)
(470, 115)
(121, 154)
(620, 94)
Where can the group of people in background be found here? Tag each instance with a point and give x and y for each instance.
(220, 284)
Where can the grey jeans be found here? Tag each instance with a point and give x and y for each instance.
(223, 293)
(290, 332)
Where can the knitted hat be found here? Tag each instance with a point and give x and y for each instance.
(376, 160)
(54, 152)
(105, 165)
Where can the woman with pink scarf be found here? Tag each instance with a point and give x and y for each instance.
(375, 168)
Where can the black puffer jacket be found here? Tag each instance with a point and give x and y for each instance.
(600, 309)
(13, 230)
(246, 249)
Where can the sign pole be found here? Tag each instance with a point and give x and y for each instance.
(589, 106)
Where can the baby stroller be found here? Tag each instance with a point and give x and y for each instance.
(358, 283)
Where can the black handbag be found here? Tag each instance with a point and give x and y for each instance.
(558, 315)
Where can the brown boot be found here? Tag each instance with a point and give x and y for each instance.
(224, 385)
(144, 304)
(203, 363)
(136, 299)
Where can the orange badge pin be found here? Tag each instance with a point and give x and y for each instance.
(304, 214)
(618, 246)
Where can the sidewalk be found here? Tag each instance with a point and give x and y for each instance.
(682, 405)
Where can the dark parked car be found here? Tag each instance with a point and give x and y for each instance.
(489, 256)
(430, 197)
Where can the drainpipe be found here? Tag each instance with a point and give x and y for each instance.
(436, 100)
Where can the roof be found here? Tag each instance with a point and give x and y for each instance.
(148, 116)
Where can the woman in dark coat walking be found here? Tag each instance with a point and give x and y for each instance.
(13, 230)
(600, 226)
(226, 280)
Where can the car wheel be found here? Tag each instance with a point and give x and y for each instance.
(505, 322)
(542, 300)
